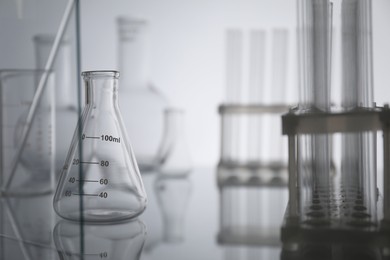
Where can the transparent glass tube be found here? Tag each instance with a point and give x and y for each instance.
(314, 153)
(314, 19)
(358, 149)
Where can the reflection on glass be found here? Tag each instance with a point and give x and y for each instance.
(115, 241)
(32, 171)
(333, 251)
(173, 195)
(28, 222)
(152, 214)
(251, 214)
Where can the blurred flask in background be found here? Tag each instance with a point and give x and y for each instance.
(141, 103)
(173, 156)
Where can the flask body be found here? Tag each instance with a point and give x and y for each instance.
(100, 180)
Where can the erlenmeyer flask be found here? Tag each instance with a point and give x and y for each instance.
(144, 104)
(100, 180)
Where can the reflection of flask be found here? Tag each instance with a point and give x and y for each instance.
(66, 112)
(173, 156)
(116, 241)
(143, 104)
(173, 195)
(151, 216)
(36, 228)
(100, 180)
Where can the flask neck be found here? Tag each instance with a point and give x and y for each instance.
(101, 89)
(133, 52)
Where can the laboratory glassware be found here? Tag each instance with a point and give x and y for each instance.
(174, 158)
(65, 92)
(143, 103)
(36, 228)
(32, 171)
(254, 99)
(116, 241)
(100, 180)
(152, 216)
(332, 146)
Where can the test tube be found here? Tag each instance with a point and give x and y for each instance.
(315, 18)
(358, 149)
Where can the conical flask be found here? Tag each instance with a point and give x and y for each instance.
(100, 180)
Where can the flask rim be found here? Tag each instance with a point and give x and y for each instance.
(100, 73)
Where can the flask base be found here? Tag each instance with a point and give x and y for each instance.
(101, 215)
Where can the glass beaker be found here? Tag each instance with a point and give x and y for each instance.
(30, 172)
(65, 101)
(173, 155)
(144, 105)
(100, 180)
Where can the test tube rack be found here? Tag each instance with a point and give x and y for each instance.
(247, 171)
(295, 231)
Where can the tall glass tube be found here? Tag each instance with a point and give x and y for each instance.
(358, 149)
(315, 17)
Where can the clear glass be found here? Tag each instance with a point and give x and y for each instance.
(174, 157)
(100, 180)
(144, 105)
(65, 101)
(337, 172)
(27, 219)
(117, 241)
(30, 172)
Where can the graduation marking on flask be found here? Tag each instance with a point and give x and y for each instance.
(106, 138)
